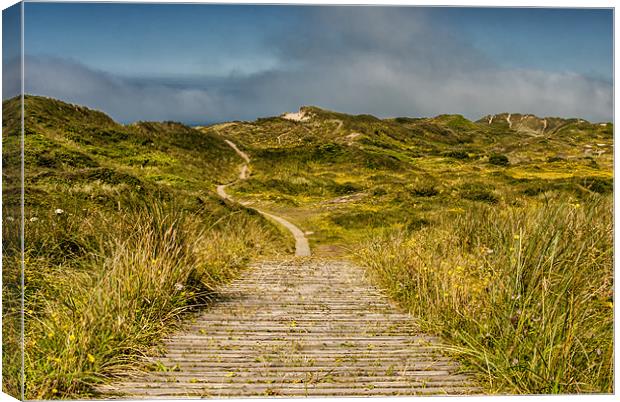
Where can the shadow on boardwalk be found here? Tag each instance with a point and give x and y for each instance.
(300, 327)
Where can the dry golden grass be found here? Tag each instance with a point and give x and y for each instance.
(524, 294)
(102, 289)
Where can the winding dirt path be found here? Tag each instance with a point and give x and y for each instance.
(302, 247)
(239, 152)
(297, 327)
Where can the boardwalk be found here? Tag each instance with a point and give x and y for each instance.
(300, 327)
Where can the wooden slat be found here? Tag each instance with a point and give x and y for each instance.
(299, 328)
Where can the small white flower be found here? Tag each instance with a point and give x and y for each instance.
(10, 218)
(34, 219)
(178, 286)
(59, 211)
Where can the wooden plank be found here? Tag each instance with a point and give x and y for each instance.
(271, 391)
(299, 329)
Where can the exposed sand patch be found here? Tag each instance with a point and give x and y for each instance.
(302, 247)
(299, 116)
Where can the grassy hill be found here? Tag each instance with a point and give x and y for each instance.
(80, 145)
(123, 233)
(496, 233)
(341, 176)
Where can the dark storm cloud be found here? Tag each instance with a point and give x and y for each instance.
(383, 61)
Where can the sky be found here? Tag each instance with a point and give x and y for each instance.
(199, 63)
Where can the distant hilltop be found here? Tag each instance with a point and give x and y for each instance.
(529, 123)
(524, 123)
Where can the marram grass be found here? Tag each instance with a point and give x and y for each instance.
(103, 287)
(524, 295)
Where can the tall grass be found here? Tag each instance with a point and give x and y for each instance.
(11, 302)
(524, 295)
(103, 287)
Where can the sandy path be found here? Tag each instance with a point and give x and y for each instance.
(239, 152)
(302, 247)
(297, 327)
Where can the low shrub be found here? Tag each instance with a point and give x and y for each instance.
(598, 184)
(478, 192)
(379, 191)
(456, 154)
(346, 188)
(499, 160)
(424, 188)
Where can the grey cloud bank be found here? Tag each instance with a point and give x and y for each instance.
(362, 64)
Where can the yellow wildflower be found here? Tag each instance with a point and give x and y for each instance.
(71, 338)
(91, 358)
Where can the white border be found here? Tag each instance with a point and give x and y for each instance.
(445, 3)
(428, 3)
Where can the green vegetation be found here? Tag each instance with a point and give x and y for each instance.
(497, 238)
(496, 234)
(11, 266)
(123, 235)
(103, 287)
(499, 160)
(524, 294)
(329, 172)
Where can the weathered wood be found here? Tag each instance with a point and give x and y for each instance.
(298, 328)
(274, 391)
(296, 378)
